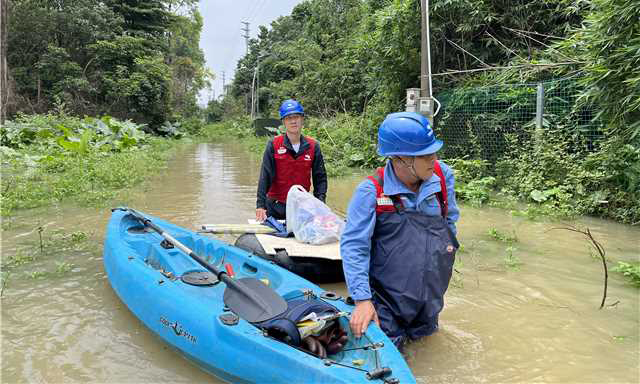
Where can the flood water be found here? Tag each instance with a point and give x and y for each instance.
(515, 313)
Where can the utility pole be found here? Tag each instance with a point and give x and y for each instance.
(425, 106)
(253, 85)
(223, 83)
(421, 99)
(246, 34)
(258, 87)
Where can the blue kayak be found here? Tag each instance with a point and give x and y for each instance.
(183, 303)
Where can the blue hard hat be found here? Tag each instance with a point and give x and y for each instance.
(290, 107)
(406, 134)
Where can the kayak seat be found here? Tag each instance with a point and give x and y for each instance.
(329, 339)
(170, 260)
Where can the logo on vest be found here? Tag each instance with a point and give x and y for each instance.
(282, 150)
(384, 200)
(307, 157)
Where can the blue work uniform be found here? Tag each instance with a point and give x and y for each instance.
(402, 260)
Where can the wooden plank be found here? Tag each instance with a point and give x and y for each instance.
(236, 228)
(293, 247)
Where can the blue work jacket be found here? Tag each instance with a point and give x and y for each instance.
(355, 243)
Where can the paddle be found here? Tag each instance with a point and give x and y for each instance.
(249, 298)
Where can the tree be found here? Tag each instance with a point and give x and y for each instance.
(143, 17)
(214, 111)
(342, 55)
(609, 44)
(132, 59)
(187, 62)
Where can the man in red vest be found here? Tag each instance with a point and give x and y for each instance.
(288, 160)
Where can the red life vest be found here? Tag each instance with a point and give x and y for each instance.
(385, 204)
(289, 170)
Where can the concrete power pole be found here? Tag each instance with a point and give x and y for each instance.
(223, 83)
(246, 34)
(258, 87)
(253, 87)
(426, 99)
(421, 99)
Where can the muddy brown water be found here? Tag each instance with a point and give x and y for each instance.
(520, 313)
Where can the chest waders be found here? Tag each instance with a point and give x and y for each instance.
(412, 256)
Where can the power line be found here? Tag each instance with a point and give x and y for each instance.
(250, 10)
(529, 65)
(246, 11)
(257, 10)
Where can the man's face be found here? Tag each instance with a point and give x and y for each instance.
(293, 123)
(422, 165)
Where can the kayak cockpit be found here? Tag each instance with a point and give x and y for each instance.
(162, 256)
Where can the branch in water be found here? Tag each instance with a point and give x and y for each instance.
(600, 250)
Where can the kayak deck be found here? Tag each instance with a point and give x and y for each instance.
(147, 274)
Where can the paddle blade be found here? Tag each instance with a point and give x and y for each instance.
(252, 300)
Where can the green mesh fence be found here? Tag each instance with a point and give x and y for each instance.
(477, 123)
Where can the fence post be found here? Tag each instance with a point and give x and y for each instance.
(539, 108)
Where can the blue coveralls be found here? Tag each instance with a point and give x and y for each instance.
(402, 261)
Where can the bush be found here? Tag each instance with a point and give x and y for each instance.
(631, 271)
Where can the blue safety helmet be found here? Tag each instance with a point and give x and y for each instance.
(290, 107)
(406, 134)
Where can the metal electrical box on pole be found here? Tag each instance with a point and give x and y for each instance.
(413, 95)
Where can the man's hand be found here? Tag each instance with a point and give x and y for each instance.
(261, 214)
(364, 313)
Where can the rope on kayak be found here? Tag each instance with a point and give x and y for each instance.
(377, 373)
(366, 347)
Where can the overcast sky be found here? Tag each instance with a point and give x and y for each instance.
(222, 38)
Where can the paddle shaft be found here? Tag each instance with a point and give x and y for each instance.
(222, 276)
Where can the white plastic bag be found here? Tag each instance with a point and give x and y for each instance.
(310, 220)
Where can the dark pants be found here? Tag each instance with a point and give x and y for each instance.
(277, 209)
(399, 330)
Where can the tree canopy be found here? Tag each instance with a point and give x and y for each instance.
(340, 55)
(136, 59)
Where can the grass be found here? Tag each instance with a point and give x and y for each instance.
(36, 257)
(502, 237)
(89, 179)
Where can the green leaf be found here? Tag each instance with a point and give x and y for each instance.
(538, 196)
(356, 157)
(71, 146)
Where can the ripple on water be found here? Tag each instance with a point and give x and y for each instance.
(537, 323)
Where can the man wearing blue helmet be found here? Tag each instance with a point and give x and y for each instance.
(289, 159)
(399, 243)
